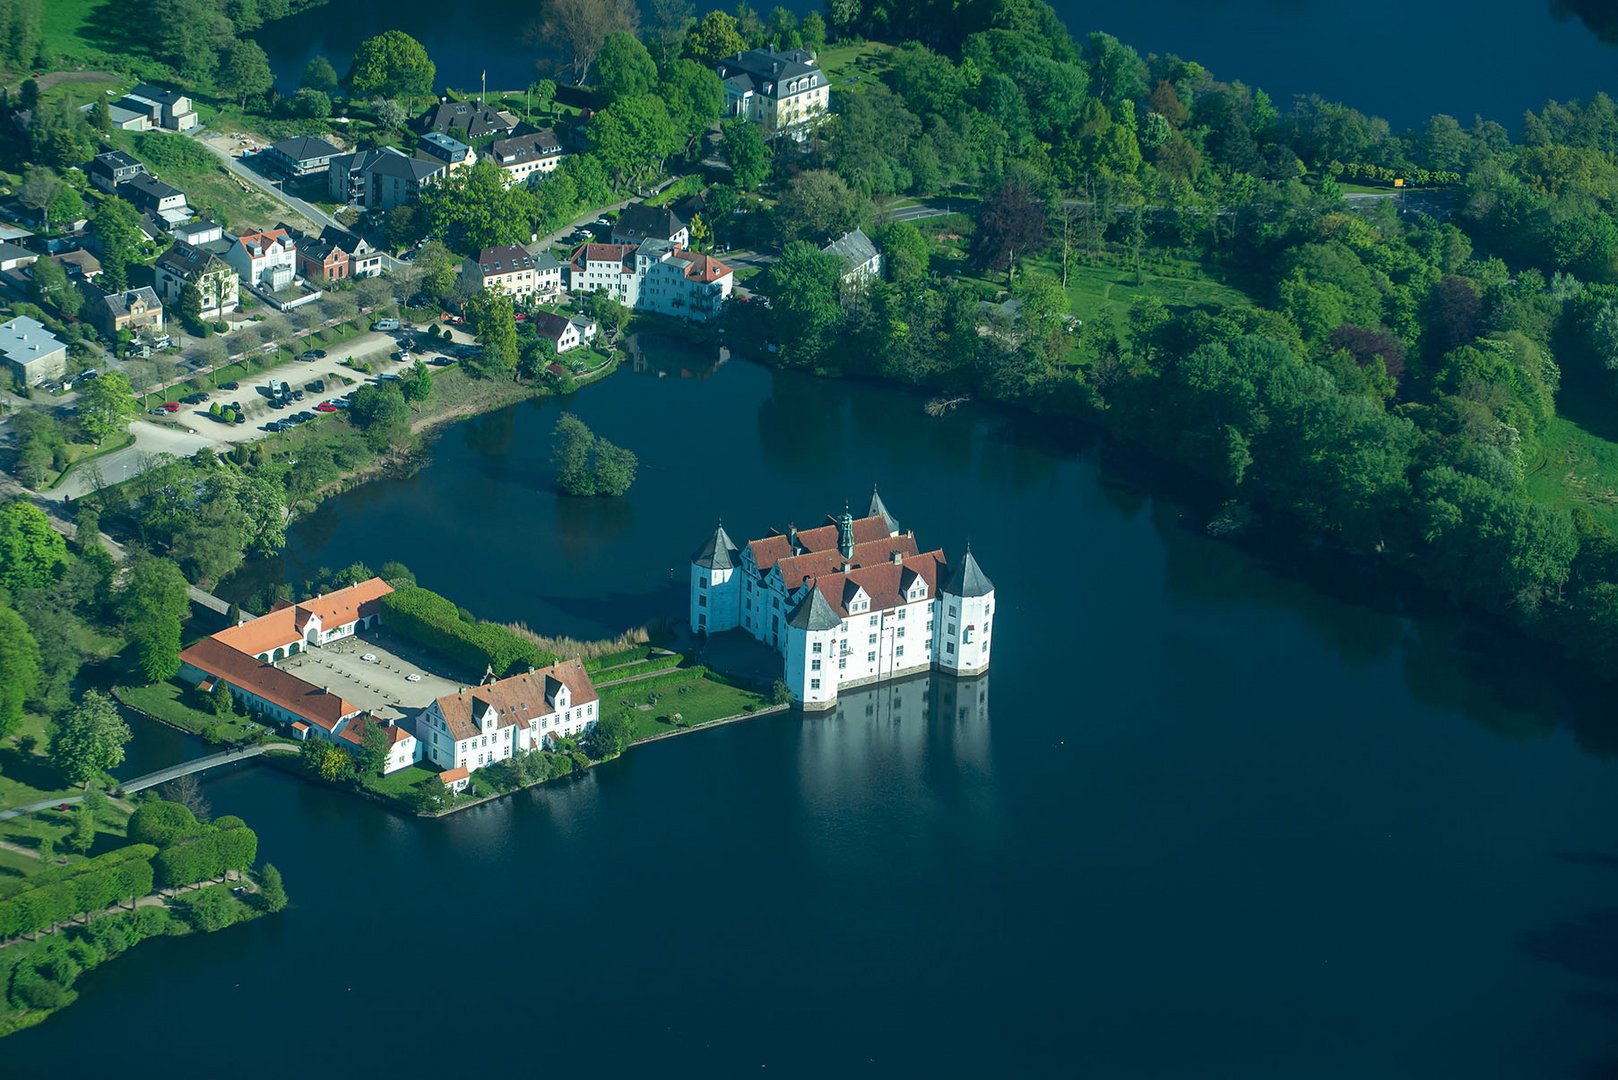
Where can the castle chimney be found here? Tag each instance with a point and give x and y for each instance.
(897, 557)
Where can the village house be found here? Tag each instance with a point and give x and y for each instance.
(186, 264)
(15, 257)
(382, 179)
(78, 265)
(468, 121)
(547, 275)
(509, 269)
(135, 310)
(524, 156)
(321, 260)
(640, 222)
(653, 276)
(862, 260)
(267, 260)
(300, 156)
(363, 260)
(850, 602)
(782, 92)
(244, 659)
(563, 332)
(151, 196)
(485, 724)
(201, 231)
(31, 352)
(451, 153)
(147, 107)
(112, 168)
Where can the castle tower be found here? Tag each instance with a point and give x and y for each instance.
(966, 598)
(881, 511)
(716, 585)
(845, 534)
(811, 651)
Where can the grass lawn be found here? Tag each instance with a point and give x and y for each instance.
(699, 696)
(54, 826)
(79, 453)
(207, 184)
(399, 785)
(173, 702)
(866, 59)
(27, 777)
(1576, 468)
(1095, 289)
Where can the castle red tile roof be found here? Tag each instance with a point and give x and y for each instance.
(286, 623)
(884, 582)
(266, 681)
(518, 700)
(814, 564)
(770, 550)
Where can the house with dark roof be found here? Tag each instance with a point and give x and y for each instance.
(451, 152)
(32, 353)
(782, 92)
(641, 222)
(136, 310)
(523, 156)
(151, 196)
(467, 120)
(655, 276)
(189, 264)
(507, 268)
(112, 168)
(363, 259)
(849, 602)
(862, 260)
(155, 107)
(382, 179)
(485, 724)
(302, 155)
(562, 331)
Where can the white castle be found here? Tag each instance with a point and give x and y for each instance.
(850, 602)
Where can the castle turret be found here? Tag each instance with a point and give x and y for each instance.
(967, 598)
(811, 650)
(845, 534)
(881, 511)
(716, 584)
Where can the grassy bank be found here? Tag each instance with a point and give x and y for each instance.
(181, 706)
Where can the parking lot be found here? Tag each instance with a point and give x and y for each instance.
(384, 681)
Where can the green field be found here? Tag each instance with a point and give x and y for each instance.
(208, 186)
(176, 703)
(867, 59)
(1576, 468)
(698, 695)
(1092, 290)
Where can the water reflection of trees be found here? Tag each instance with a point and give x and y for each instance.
(1600, 17)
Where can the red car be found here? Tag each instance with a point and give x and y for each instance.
(171, 406)
(325, 406)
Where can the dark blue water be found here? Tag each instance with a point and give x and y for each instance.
(1393, 58)
(1201, 818)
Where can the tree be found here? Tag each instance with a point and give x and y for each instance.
(19, 668)
(39, 191)
(609, 311)
(32, 554)
(101, 115)
(106, 406)
(632, 137)
(84, 832)
(571, 454)
(542, 94)
(372, 756)
(610, 737)
(51, 286)
(624, 68)
(154, 600)
(671, 21)
(28, 95)
(581, 27)
(613, 469)
(381, 412)
(1011, 226)
(695, 97)
(319, 75)
(475, 208)
(493, 321)
(905, 253)
(745, 150)
(804, 307)
(715, 38)
(271, 892)
(244, 70)
(392, 64)
(389, 113)
(116, 225)
(90, 739)
(417, 382)
(311, 104)
(186, 791)
(818, 205)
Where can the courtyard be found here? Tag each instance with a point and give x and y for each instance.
(374, 670)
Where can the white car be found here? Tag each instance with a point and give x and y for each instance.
(412, 677)
(369, 658)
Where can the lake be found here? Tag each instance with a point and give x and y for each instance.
(1391, 58)
(1215, 811)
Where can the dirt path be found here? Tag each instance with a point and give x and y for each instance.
(57, 78)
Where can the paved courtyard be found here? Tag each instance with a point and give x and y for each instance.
(377, 683)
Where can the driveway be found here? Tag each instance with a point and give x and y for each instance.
(150, 440)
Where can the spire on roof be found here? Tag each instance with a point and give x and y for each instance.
(719, 553)
(845, 533)
(966, 578)
(813, 612)
(881, 511)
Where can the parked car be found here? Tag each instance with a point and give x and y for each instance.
(389, 377)
(86, 375)
(440, 361)
(396, 355)
(297, 395)
(317, 386)
(305, 416)
(195, 399)
(171, 406)
(385, 324)
(339, 403)
(325, 406)
(230, 386)
(312, 354)
(159, 411)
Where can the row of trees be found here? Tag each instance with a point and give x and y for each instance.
(46, 900)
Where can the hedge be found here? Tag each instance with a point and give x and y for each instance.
(430, 620)
(91, 886)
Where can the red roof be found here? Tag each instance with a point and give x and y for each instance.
(772, 549)
(883, 582)
(618, 253)
(704, 268)
(517, 700)
(213, 656)
(814, 564)
(450, 776)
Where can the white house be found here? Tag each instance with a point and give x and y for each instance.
(564, 332)
(782, 92)
(846, 603)
(507, 268)
(484, 724)
(859, 254)
(526, 155)
(653, 276)
(268, 260)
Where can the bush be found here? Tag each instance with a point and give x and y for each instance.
(210, 909)
(430, 620)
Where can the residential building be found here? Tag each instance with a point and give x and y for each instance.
(451, 153)
(467, 120)
(563, 332)
(509, 269)
(321, 260)
(112, 168)
(641, 222)
(266, 260)
(847, 603)
(186, 264)
(150, 195)
(783, 92)
(528, 155)
(363, 259)
(136, 310)
(77, 265)
(15, 257)
(863, 260)
(154, 107)
(653, 276)
(489, 723)
(547, 275)
(201, 231)
(245, 657)
(302, 155)
(382, 179)
(31, 352)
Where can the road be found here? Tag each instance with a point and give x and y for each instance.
(225, 149)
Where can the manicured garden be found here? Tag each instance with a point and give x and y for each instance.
(183, 706)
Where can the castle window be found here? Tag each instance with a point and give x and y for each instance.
(703, 582)
(814, 665)
(841, 664)
(873, 639)
(952, 611)
(900, 632)
(949, 647)
(816, 648)
(901, 613)
(899, 650)
(951, 629)
(870, 658)
(702, 601)
(814, 684)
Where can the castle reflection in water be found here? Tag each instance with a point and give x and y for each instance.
(934, 721)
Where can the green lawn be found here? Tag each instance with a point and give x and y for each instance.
(867, 59)
(210, 187)
(699, 696)
(400, 785)
(69, 28)
(1092, 290)
(1576, 468)
(177, 703)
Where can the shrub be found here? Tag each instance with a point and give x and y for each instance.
(213, 908)
(431, 620)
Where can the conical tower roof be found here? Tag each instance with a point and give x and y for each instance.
(813, 612)
(966, 578)
(879, 510)
(719, 553)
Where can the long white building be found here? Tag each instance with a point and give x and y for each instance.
(850, 602)
(653, 276)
